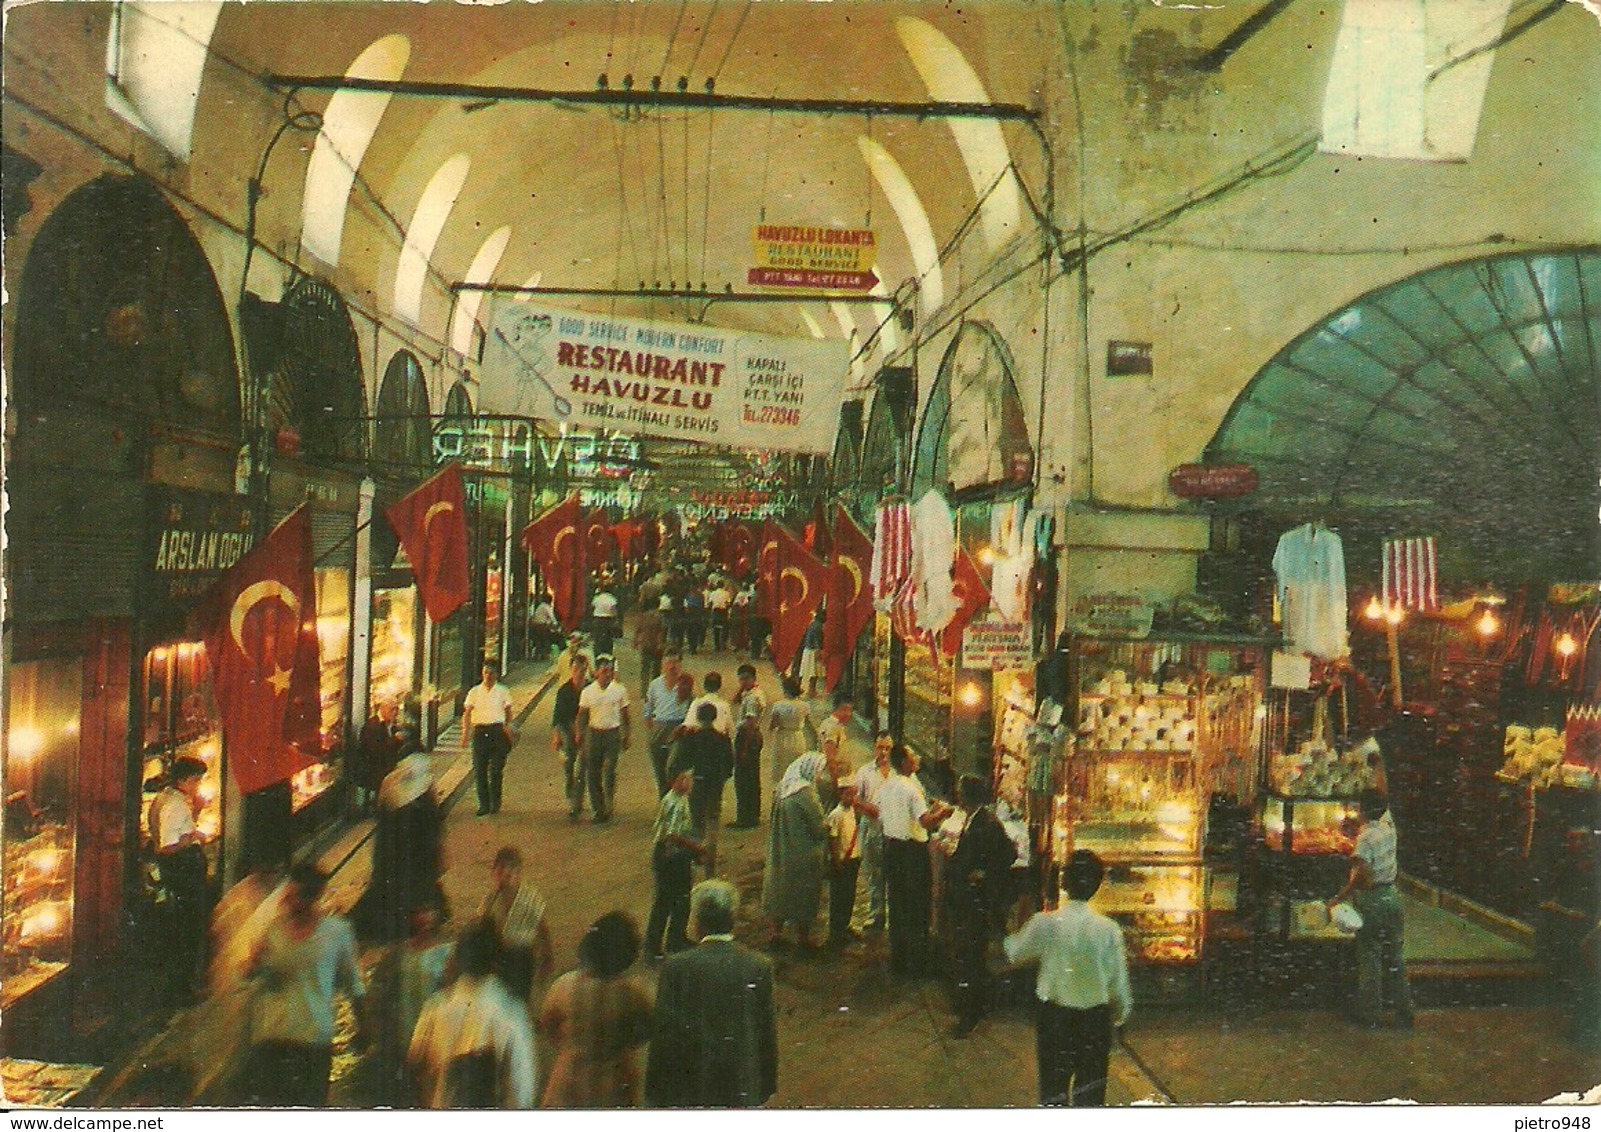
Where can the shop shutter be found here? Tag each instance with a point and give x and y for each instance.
(73, 545)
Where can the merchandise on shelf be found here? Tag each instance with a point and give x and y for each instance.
(1315, 770)
(1313, 826)
(1534, 756)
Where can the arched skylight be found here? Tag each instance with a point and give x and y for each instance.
(348, 125)
(812, 324)
(529, 284)
(909, 211)
(468, 303)
(950, 78)
(155, 59)
(889, 335)
(423, 233)
(852, 334)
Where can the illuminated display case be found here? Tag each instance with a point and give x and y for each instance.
(333, 649)
(394, 646)
(1162, 726)
(41, 758)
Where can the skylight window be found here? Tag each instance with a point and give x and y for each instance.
(1405, 81)
(155, 60)
(348, 125)
(468, 303)
(909, 211)
(950, 78)
(423, 233)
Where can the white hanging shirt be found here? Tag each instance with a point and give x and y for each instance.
(1310, 567)
(933, 556)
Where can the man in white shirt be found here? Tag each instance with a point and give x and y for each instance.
(605, 625)
(473, 1046)
(180, 855)
(869, 779)
(603, 725)
(907, 817)
(1082, 988)
(837, 726)
(712, 682)
(486, 724)
(719, 600)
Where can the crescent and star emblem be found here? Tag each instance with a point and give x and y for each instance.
(251, 596)
(784, 605)
(555, 544)
(762, 566)
(437, 509)
(854, 569)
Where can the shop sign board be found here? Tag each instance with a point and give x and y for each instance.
(1212, 481)
(1128, 359)
(681, 381)
(193, 537)
(995, 644)
(1113, 615)
(817, 258)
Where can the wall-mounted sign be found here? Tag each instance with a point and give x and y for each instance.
(814, 258)
(1113, 615)
(1212, 481)
(995, 644)
(682, 381)
(489, 444)
(1128, 359)
(194, 537)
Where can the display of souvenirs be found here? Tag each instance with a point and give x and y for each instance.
(1315, 770)
(1534, 756)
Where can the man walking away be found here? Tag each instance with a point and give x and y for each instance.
(564, 733)
(749, 704)
(1380, 964)
(715, 1039)
(708, 755)
(978, 890)
(1082, 988)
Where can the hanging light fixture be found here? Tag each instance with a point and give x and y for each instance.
(1566, 645)
(1488, 624)
(1374, 610)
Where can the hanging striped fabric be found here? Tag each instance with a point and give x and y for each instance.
(892, 550)
(1410, 574)
(903, 614)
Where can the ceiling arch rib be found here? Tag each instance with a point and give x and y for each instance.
(950, 78)
(468, 302)
(919, 233)
(416, 252)
(348, 125)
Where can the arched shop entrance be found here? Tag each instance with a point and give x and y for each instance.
(973, 448)
(402, 457)
(305, 365)
(120, 480)
(1448, 425)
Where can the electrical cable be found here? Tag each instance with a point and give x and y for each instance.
(672, 39)
(701, 43)
(733, 39)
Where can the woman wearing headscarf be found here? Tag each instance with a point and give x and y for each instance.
(797, 850)
(407, 848)
(599, 1019)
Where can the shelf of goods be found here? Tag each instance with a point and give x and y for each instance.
(1161, 727)
(1308, 842)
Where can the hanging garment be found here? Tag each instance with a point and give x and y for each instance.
(1410, 579)
(933, 557)
(1013, 546)
(1310, 566)
(892, 550)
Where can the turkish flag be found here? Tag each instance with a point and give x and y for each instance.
(624, 533)
(554, 542)
(799, 589)
(261, 644)
(850, 598)
(739, 551)
(767, 567)
(597, 541)
(972, 597)
(432, 525)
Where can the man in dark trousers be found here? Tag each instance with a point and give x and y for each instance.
(564, 732)
(907, 817)
(1082, 988)
(709, 756)
(714, 1043)
(978, 891)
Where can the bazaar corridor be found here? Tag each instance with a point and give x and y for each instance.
(851, 1037)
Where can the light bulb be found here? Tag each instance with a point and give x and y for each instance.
(985, 556)
(1395, 614)
(1374, 610)
(25, 744)
(1489, 625)
(1566, 645)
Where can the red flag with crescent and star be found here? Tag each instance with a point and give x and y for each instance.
(972, 597)
(850, 597)
(555, 543)
(432, 525)
(801, 585)
(597, 540)
(261, 643)
(767, 567)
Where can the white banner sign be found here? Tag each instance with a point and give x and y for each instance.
(725, 387)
